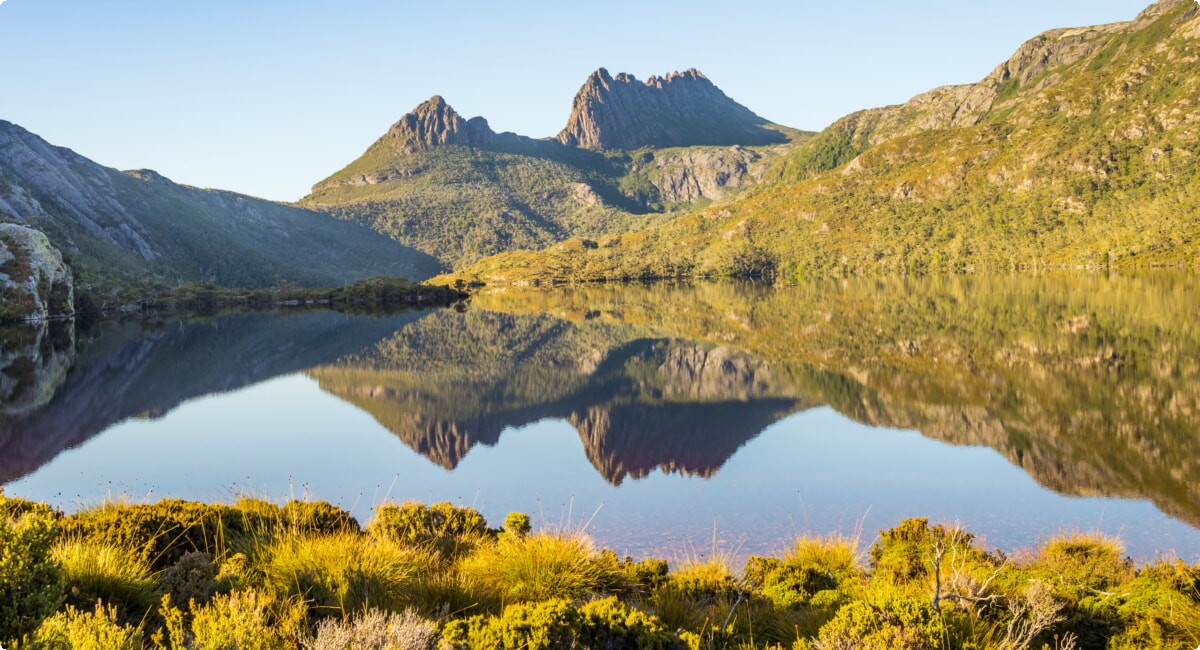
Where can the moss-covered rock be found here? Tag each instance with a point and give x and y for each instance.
(35, 282)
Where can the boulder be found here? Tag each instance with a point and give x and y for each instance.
(35, 283)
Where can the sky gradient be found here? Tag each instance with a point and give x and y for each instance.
(271, 96)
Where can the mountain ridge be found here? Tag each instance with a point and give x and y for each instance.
(455, 189)
(679, 109)
(139, 228)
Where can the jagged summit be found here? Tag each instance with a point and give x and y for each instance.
(435, 123)
(676, 110)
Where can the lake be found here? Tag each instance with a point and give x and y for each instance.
(669, 420)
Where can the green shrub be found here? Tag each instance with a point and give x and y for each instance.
(263, 520)
(31, 586)
(344, 573)
(557, 624)
(192, 579)
(518, 524)
(96, 630)
(710, 578)
(98, 571)
(542, 566)
(444, 526)
(376, 630)
(646, 575)
(1160, 608)
(242, 620)
(810, 574)
(1078, 564)
(905, 554)
(163, 532)
(884, 624)
(318, 517)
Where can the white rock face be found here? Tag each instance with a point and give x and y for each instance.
(35, 283)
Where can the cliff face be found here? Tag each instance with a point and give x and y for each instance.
(681, 109)
(35, 283)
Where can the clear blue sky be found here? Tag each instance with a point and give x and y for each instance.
(267, 97)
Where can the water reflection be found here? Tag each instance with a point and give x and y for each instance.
(1091, 385)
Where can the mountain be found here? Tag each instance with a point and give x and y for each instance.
(1076, 152)
(455, 189)
(682, 109)
(137, 227)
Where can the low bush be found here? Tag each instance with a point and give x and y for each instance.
(343, 573)
(1161, 608)
(1077, 564)
(557, 624)
(192, 579)
(31, 586)
(884, 624)
(541, 567)
(242, 620)
(443, 526)
(906, 554)
(376, 630)
(95, 630)
(161, 533)
(99, 571)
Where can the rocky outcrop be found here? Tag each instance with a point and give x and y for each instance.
(681, 109)
(435, 123)
(35, 283)
(688, 175)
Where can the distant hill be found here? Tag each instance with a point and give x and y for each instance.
(1079, 151)
(631, 156)
(135, 228)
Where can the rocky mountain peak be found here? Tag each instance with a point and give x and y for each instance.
(1162, 7)
(675, 110)
(435, 123)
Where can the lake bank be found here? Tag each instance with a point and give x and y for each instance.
(287, 574)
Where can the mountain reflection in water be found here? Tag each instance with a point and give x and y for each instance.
(1087, 383)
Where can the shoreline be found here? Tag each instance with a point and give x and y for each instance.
(307, 567)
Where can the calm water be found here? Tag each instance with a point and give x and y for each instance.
(661, 418)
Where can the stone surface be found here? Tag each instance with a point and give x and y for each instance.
(702, 172)
(35, 282)
(435, 123)
(679, 110)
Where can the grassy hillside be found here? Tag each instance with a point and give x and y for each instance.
(1077, 152)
